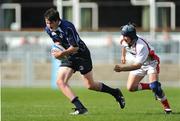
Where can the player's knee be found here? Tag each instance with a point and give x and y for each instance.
(131, 88)
(60, 84)
(156, 88)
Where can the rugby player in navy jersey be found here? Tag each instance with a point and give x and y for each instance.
(78, 58)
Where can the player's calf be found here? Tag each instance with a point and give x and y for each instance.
(159, 94)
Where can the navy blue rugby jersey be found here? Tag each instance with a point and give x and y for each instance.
(67, 35)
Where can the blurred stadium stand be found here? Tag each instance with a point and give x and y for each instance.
(25, 55)
(26, 61)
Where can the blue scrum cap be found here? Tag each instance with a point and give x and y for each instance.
(129, 30)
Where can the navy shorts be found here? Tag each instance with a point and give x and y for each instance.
(82, 62)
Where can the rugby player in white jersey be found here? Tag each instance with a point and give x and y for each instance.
(145, 62)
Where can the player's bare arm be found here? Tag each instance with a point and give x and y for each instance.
(60, 54)
(122, 67)
(123, 55)
(70, 50)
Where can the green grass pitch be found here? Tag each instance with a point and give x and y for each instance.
(44, 104)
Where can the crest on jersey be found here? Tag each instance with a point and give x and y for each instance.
(81, 68)
(53, 33)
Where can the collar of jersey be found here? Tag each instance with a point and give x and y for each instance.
(58, 28)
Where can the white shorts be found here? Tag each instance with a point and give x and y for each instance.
(152, 67)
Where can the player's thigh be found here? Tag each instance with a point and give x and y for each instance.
(64, 73)
(153, 72)
(133, 80)
(88, 78)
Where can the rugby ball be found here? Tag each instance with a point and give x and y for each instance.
(56, 47)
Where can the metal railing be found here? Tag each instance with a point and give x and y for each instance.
(29, 64)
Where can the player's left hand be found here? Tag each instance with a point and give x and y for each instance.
(57, 54)
(118, 68)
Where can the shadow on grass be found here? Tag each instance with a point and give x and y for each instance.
(176, 113)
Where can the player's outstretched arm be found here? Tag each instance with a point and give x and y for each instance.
(121, 67)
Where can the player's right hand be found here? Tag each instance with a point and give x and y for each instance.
(56, 54)
(117, 68)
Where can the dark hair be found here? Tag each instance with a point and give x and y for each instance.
(52, 15)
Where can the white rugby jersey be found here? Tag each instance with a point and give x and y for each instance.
(141, 51)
